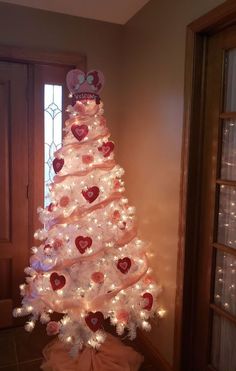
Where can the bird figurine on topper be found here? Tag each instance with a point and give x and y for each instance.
(85, 86)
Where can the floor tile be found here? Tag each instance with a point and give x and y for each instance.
(147, 367)
(30, 366)
(29, 346)
(7, 349)
(10, 368)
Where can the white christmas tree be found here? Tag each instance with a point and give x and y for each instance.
(90, 264)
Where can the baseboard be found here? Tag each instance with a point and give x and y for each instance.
(153, 354)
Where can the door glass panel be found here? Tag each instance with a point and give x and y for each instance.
(225, 282)
(228, 160)
(52, 132)
(227, 216)
(230, 91)
(223, 353)
(223, 344)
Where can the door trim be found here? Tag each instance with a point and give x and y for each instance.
(192, 141)
(30, 55)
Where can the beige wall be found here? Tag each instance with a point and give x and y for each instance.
(150, 135)
(100, 41)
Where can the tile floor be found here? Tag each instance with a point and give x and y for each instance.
(22, 351)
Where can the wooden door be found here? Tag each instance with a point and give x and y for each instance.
(214, 336)
(23, 76)
(13, 185)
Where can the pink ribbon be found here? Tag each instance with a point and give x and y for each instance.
(81, 120)
(76, 306)
(108, 165)
(76, 215)
(78, 144)
(99, 301)
(129, 236)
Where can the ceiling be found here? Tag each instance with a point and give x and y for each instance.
(115, 11)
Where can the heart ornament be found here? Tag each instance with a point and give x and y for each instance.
(106, 148)
(58, 164)
(94, 320)
(124, 265)
(91, 194)
(148, 301)
(57, 281)
(83, 243)
(79, 131)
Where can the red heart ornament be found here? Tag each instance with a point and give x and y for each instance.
(106, 148)
(148, 302)
(83, 243)
(94, 320)
(91, 194)
(79, 131)
(57, 164)
(57, 281)
(124, 265)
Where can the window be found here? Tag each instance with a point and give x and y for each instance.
(52, 132)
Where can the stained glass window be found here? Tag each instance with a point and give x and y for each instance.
(52, 132)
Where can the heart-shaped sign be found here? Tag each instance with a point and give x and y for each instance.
(57, 281)
(124, 265)
(94, 320)
(58, 164)
(83, 243)
(79, 131)
(78, 81)
(91, 194)
(106, 148)
(148, 301)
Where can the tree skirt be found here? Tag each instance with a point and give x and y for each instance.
(113, 355)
